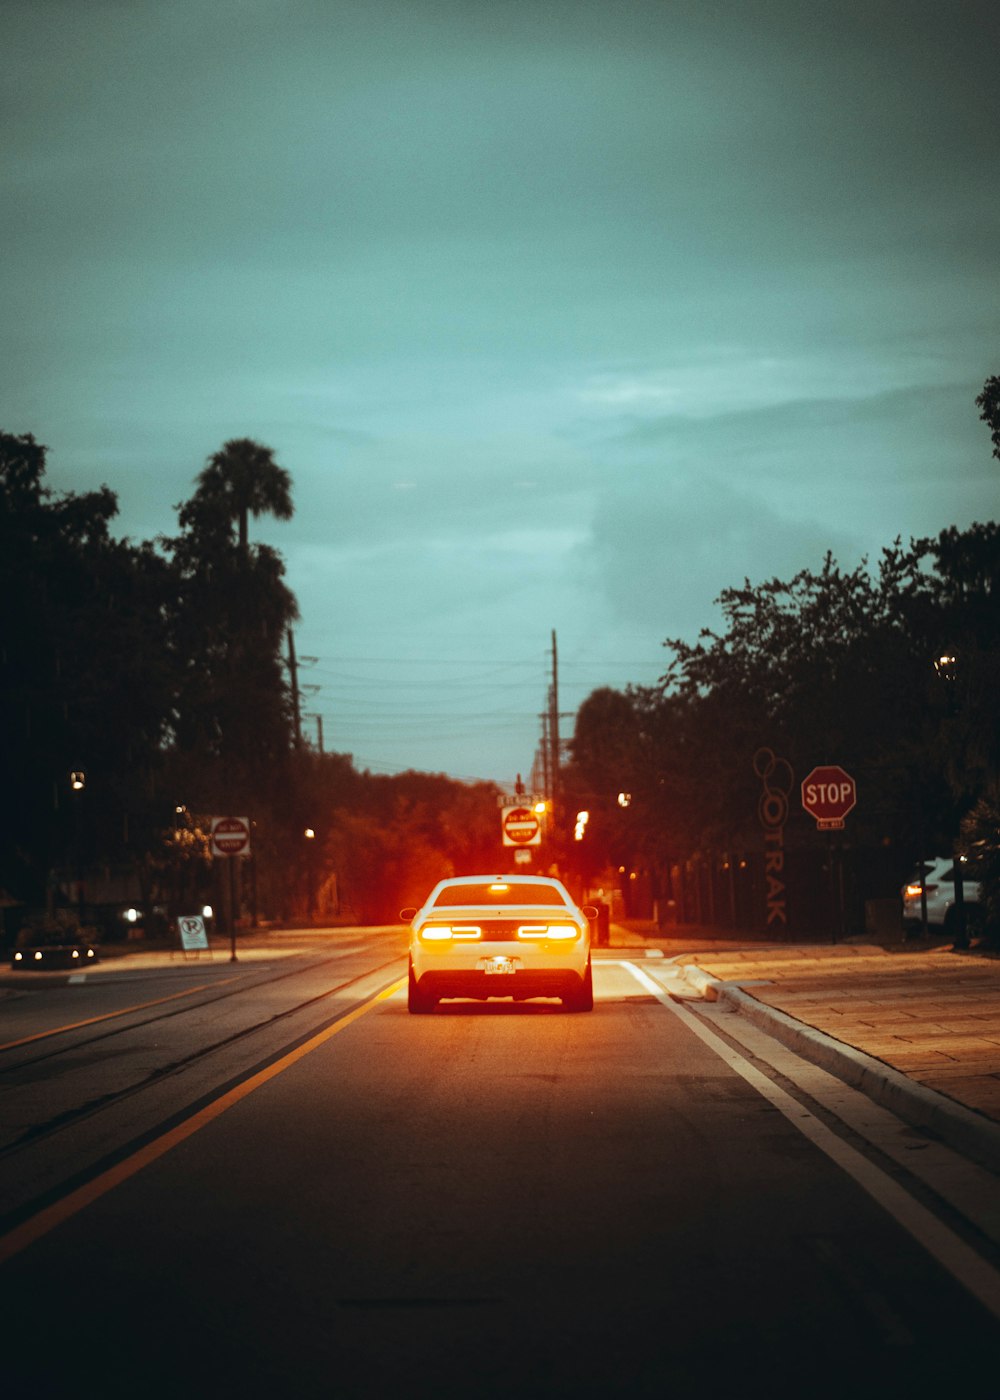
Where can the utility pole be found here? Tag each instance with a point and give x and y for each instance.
(293, 672)
(554, 720)
(545, 754)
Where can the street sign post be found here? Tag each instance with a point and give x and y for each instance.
(520, 826)
(231, 839)
(828, 794)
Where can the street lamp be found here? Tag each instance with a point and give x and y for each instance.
(310, 836)
(77, 783)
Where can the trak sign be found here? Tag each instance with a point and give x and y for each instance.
(521, 827)
(230, 836)
(828, 794)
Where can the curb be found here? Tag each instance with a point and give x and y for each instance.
(961, 1128)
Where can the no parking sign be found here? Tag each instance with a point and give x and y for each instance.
(192, 930)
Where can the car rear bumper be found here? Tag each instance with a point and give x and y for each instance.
(535, 958)
(524, 983)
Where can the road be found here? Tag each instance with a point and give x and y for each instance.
(277, 1182)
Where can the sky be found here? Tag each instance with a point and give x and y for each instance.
(563, 315)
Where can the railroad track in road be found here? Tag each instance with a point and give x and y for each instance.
(69, 1049)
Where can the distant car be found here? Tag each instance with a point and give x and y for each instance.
(939, 883)
(487, 936)
(41, 951)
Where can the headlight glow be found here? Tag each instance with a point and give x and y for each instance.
(38, 957)
(75, 953)
(18, 957)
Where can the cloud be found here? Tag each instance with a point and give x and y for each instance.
(662, 557)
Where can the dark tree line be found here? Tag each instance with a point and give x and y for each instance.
(891, 671)
(143, 689)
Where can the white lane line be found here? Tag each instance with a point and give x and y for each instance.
(951, 1252)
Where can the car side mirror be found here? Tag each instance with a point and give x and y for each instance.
(590, 910)
(407, 914)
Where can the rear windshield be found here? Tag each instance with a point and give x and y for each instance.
(499, 893)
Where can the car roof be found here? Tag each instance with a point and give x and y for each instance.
(457, 881)
(492, 876)
(532, 885)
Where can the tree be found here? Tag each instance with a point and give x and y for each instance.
(240, 480)
(85, 675)
(988, 403)
(228, 623)
(230, 720)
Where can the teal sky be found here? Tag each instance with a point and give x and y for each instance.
(562, 315)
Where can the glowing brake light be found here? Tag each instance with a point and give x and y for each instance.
(498, 887)
(913, 891)
(565, 932)
(444, 933)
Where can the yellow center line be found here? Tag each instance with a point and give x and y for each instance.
(38, 1225)
(110, 1015)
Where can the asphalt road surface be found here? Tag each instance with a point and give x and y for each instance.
(277, 1182)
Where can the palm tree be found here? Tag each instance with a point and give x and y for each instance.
(244, 479)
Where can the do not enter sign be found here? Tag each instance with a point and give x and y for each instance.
(230, 836)
(521, 827)
(828, 794)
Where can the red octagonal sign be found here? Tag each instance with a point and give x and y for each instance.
(828, 794)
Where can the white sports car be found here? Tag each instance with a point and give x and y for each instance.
(486, 936)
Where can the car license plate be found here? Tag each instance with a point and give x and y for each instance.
(498, 966)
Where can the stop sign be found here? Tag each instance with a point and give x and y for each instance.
(828, 794)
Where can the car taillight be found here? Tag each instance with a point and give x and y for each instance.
(560, 932)
(444, 933)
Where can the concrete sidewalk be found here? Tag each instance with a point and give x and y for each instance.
(934, 1016)
(917, 1028)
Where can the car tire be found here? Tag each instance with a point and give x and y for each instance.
(583, 998)
(418, 1003)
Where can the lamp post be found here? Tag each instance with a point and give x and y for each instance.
(946, 666)
(77, 786)
(310, 837)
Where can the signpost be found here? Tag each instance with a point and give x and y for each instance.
(231, 840)
(828, 794)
